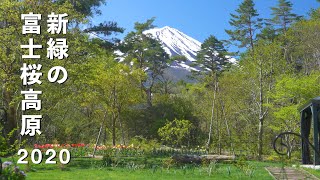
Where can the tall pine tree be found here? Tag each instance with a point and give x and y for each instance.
(283, 16)
(101, 31)
(246, 24)
(212, 55)
(147, 54)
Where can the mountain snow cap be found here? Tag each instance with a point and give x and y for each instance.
(175, 42)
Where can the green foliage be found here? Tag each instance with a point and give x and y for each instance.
(140, 27)
(168, 163)
(106, 160)
(106, 29)
(303, 37)
(7, 148)
(277, 73)
(10, 55)
(147, 55)
(291, 92)
(212, 55)
(87, 8)
(268, 33)
(176, 132)
(85, 168)
(144, 144)
(146, 122)
(13, 173)
(245, 24)
(283, 16)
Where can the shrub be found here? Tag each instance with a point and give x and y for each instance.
(106, 160)
(10, 171)
(176, 132)
(168, 163)
(142, 143)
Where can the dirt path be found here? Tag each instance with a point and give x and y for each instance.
(289, 173)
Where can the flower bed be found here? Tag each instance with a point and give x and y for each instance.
(83, 150)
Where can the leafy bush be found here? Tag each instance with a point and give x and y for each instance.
(175, 132)
(244, 166)
(144, 144)
(106, 160)
(12, 172)
(5, 148)
(168, 163)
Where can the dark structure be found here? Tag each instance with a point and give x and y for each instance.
(310, 113)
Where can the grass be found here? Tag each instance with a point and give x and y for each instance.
(313, 171)
(147, 168)
(121, 173)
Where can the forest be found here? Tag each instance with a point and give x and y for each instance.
(232, 108)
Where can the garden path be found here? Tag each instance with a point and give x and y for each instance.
(289, 173)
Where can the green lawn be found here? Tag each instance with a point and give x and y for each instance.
(134, 168)
(121, 173)
(313, 171)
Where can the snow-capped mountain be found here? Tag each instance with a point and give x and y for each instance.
(174, 42)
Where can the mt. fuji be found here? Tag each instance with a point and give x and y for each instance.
(176, 43)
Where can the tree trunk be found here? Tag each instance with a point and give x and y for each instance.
(261, 116)
(114, 116)
(122, 131)
(105, 135)
(227, 126)
(212, 116)
(97, 141)
(105, 127)
(251, 34)
(149, 97)
(218, 126)
(260, 139)
(113, 129)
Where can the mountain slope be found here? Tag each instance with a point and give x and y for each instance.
(174, 42)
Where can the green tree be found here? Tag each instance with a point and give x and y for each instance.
(87, 8)
(60, 103)
(176, 132)
(237, 126)
(246, 25)
(290, 92)
(146, 54)
(118, 88)
(262, 69)
(10, 53)
(101, 32)
(268, 33)
(303, 47)
(283, 16)
(212, 55)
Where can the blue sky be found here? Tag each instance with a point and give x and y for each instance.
(196, 18)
